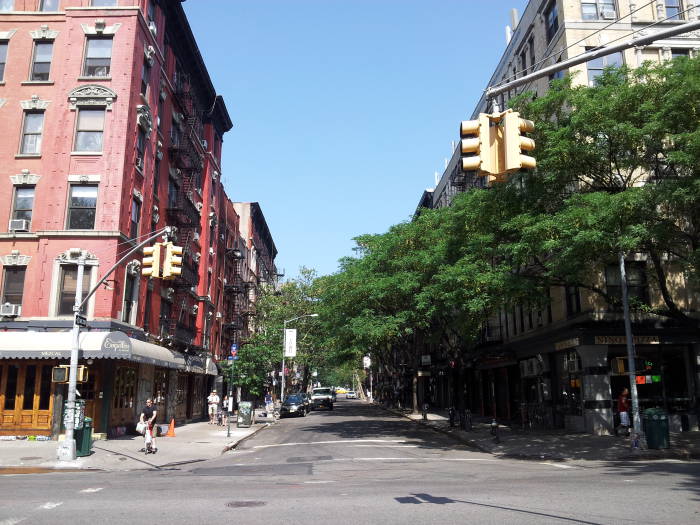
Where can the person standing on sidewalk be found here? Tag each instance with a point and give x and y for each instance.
(623, 408)
(213, 401)
(148, 416)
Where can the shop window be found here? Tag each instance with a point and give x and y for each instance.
(160, 388)
(89, 130)
(124, 388)
(11, 386)
(32, 130)
(98, 57)
(3, 59)
(41, 62)
(13, 284)
(48, 5)
(29, 387)
(68, 283)
(45, 388)
(82, 207)
(181, 390)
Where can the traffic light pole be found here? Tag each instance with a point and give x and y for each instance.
(493, 92)
(66, 448)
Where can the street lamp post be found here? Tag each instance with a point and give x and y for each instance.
(284, 349)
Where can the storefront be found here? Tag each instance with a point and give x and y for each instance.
(122, 373)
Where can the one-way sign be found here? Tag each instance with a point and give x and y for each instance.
(81, 320)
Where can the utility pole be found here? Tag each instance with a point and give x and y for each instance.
(66, 448)
(631, 365)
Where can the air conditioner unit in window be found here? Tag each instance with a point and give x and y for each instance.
(153, 28)
(608, 14)
(139, 162)
(196, 257)
(205, 144)
(219, 315)
(10, 310)
(19, 225)
(196, 237)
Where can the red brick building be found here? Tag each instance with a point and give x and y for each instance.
(112, 130)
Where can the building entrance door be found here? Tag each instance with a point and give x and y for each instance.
(26, 398)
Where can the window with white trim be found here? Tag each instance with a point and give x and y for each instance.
(13, 284)
(674, 9)
(23, 203)
(48, 5)
(68, 287)
(82, 206)
(135, 217)
(32, 130)
(89, 129)
(598, 10)
(41, 61)
(98, 57)
(7, 5)
(103, 3)
(3, 59)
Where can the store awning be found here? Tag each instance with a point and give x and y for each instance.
(93, 345)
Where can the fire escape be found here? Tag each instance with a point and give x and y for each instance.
(183, 211)
(234, 326)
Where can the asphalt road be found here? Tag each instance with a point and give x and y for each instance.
(354, 465)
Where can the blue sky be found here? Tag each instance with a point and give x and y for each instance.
(343, 109)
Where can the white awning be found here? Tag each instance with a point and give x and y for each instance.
(93, 345)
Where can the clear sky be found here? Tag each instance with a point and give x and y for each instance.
(343, 110)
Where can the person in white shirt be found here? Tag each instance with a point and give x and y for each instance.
(213, 401)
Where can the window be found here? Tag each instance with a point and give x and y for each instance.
(598, 9)
(156, 176)
(165, 311)
(103, 3)
(140, 147)
(551, 21)
(151, 11)
(124, 388)
(81, 210)
(161, 112)
(48, 5)
(172, 193)
(573, 300)
(41, 65)
(68, 283)
(88, 134)
(23, 204)
(636, 281)
(598, 65)
(175, 133)
(674, 9)
(31, 133)
(129, 299)
(98, 57)
(3, 59)
(7, 5)
(531, 48)
(147, 311)
(523, 62)
(135, 217)
(13, 284)
(675, 53)
(145, 77)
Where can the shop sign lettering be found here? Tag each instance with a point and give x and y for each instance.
(621, 340)
(568, 343)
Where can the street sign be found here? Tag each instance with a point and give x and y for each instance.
(81, 320)
(235, 357)
(230, 358)
(290, 342)
(234, 349)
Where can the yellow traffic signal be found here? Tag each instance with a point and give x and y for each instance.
(172, 265)
(515, 143)
(479, 145)
(151, 261)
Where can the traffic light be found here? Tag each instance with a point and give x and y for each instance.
(151, 261)
(172, 265)
(516, 143)
(479, 145)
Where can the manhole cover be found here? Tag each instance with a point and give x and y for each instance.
(240, 504)
(30, 458)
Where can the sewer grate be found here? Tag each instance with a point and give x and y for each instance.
(242, 504)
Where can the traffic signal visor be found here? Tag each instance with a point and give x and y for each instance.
(172, 266)
(516, 143)
(151, 261)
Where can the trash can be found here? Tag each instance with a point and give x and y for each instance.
(656, 428)
(245, 414)
(83, 438)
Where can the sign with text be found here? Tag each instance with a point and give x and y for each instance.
(290, 342)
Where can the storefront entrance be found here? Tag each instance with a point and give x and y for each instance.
(26, 397)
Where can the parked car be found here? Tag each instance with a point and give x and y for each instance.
(322, 397)
(293, 405)
(351, 394)
(341, 390)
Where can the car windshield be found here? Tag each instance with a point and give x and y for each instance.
(322, 390)
(292, 400)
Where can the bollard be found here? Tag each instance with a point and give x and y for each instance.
(494, 431)
(425, 411)
(451, 413)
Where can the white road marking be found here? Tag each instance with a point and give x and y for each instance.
(51, 505)
(88, 491)
(317, 482)
(390, 445)
(558, 465)
(331, 442)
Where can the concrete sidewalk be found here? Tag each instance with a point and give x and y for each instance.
(192, 443)
(556, 445)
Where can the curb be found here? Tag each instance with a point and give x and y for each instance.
(234, 444)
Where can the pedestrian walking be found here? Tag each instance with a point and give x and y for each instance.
(623, 407)
(213, 402)
(148, 417)
(224, 407)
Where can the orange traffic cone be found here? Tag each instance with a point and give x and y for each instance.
(171, 429)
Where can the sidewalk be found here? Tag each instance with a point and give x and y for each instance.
(556, 445)
(192, 443)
